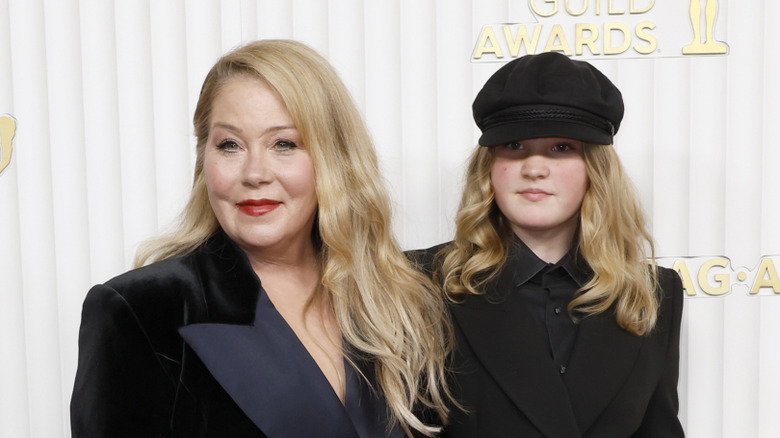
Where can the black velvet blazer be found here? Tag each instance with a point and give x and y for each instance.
(160, 355)
(616, 384)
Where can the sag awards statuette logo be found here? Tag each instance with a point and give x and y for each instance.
(606, 28)
(709, 45)
(7, 131)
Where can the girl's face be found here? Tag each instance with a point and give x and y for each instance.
(259, 174)
(539, 185)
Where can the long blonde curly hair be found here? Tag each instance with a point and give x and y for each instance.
(612, 238)
(387, 311)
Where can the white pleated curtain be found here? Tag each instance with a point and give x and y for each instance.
(103, 93)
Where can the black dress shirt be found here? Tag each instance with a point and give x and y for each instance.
(545, 290)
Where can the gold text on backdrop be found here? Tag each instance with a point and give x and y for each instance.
(605, 28)
(714, 276)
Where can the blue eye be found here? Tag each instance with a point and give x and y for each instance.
(227, 145)
(284, 145)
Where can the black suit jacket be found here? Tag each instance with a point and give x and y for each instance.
(616, 385)
(160, 355)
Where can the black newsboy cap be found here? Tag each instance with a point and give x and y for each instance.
(548, 95)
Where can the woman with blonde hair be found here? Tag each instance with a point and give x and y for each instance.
(564, 325)
(281, 306)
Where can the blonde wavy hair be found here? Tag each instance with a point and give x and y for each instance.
(387, 311)
(612, 238)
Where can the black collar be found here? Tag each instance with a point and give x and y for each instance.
(522, 265)
(525, 264)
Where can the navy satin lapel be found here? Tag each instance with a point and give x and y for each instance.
(268, 379)
(511, 347)
(603, 357)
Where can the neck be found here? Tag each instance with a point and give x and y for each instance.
(548, 246)
(293, 273)
(283, 255)
(304, 259)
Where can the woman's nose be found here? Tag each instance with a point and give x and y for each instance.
(256, 168)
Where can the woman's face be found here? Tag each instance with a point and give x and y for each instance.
(539, 185)
(259, 175)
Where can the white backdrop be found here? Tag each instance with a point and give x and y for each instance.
(103, 93)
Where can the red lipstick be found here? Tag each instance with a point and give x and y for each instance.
(257, 207)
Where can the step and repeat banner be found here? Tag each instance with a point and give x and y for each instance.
(97, 152)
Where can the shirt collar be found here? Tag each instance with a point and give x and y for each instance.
(524, 264)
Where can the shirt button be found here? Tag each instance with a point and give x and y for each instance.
(563, 369)
(557, 310)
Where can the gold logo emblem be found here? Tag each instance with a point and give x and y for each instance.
(7, 131)
(709, 45)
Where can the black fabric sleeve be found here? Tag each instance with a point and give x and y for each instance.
(661, 417)
(121, 389)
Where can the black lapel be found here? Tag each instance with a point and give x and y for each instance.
(512, 349)
(245, 357)
(603, 357)
(229, 285)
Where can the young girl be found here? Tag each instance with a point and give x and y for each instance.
(564, 327)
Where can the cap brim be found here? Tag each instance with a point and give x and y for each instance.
(510, 132)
